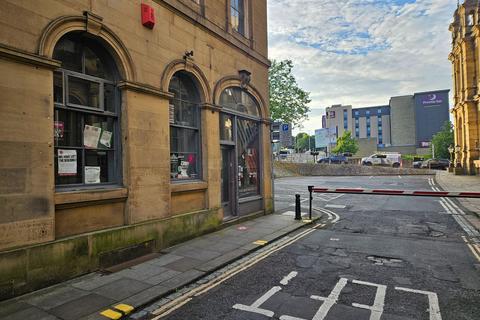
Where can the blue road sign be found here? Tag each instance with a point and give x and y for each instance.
(284, 127)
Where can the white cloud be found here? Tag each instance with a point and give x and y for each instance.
(362, 52)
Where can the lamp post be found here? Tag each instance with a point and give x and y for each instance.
(450, 150)
(457, 151)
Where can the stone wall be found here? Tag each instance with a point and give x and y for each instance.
(285, 169)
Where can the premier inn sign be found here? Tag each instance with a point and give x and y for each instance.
(431, 99)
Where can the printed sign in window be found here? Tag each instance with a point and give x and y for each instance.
(91, 135)
(92, 175)
(67, 162)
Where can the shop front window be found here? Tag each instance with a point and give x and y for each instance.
(185, 160)
(247, 150)
(86, 114)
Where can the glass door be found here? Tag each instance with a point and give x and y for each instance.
(228, 181)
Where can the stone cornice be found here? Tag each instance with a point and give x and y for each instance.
(27, 57)
(211, 107)
(144, 88)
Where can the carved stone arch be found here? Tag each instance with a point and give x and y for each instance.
(234, 81)
(93, 25)
(197, 73)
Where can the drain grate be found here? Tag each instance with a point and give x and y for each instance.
(386, 261)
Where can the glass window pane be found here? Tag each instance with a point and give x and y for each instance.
(235, 98)
(184, 166)
(183, 87)
(67, 127)
(109, 98)
(93, 65)
(69, 52)
(226, 127)
(185, 114)
(69, 173)
(183, 140)
(58, 87)
(248, 161)
(99, 166)
(106, 138)
(83, 92)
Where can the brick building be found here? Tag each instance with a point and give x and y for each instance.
(465, 30)
(121, 137)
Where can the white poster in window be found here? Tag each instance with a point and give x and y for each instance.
(91, 135)
(106, 138)
(92, 175)
(171, 112)
(67, 162)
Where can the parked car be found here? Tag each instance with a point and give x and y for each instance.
(417, 162)
(442, 164)
(383, 159)
(333, 159)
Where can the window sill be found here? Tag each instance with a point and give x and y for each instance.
(249, 199)
(89, 197)
(176, 187)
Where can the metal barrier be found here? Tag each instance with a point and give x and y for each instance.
(390, 192)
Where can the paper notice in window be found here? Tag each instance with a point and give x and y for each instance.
(67, 162)
(106, 138)
(92, 175)
(171, 113)
(91, 135)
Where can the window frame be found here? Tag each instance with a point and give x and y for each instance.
(82, 112)
(198, 118)
(244, 20)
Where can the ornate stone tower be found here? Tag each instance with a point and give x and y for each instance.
(465, 58)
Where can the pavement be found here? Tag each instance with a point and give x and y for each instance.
(450, 182)
(135, 286)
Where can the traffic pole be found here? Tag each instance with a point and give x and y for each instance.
(298, 213)
(310, 191)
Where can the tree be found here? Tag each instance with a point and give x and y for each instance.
(302, 144)
(288, 102)
(442, 140)
(346, 144)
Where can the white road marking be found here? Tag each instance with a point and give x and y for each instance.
(370, 177)
(334, 239)
(336, 206)
(378, 304)
(330, 300)
(444, 207)
(399, 177)
(290, 276)
(433, 307)
(290, 318)
(255, 307)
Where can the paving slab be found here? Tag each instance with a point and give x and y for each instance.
(81, 307)
(31, 313)
(121, 289)
(184, 264)
(57, 297)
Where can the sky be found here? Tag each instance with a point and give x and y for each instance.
(362, 52)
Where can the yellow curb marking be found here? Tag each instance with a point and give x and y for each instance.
(261, 242)
(125, 308)
(109, 313)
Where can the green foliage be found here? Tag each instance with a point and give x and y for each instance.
(346, 143)
(442, 140)
(302, 144)
(288, 102)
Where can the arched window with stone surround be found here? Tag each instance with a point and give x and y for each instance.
(185, 141)
(86, 114)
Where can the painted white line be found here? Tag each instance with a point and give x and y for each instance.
(399, 177)
(336, 206)
(433, 306)
(290, 318)
(444, 207)
(473, 251)
(329, 301)
(255, 307)
(461, 220)
(370, 177)
(378, 304)
(290, 276)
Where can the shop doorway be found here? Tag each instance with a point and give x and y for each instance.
(229, 199)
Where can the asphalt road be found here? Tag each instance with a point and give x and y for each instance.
(388, 258)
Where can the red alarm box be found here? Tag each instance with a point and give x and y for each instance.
(148, 16)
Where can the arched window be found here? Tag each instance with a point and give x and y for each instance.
(87, 110)
(242, 109)
(185, 153)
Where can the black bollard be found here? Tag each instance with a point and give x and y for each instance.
(298, 213)
(310, 190)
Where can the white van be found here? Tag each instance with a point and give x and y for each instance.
(383, 159)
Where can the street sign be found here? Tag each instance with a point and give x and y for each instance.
(285, 127)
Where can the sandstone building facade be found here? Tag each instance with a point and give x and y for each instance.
(126, 126)
(465, 55)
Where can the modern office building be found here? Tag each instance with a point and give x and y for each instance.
(465, 30)
(125, 127)
(407, 124)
